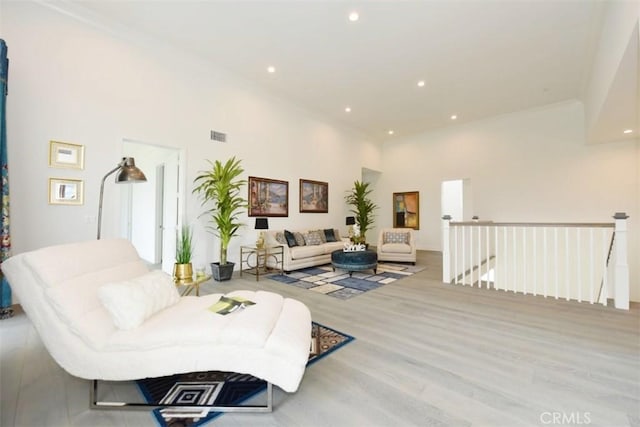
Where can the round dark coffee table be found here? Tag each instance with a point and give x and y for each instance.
(354, 261)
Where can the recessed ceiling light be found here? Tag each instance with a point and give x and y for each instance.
(628, 131)
(453, 117)
(390, 132)
(347, 109)
(271, 69)
(421, 83)
(353, 16)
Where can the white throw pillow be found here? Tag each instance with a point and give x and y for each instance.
(133, 301)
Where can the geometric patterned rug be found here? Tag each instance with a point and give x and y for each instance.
(221, 388)
(338, 284)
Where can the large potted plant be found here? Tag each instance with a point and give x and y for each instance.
(219, 188)
(183, 269)
(362, 207)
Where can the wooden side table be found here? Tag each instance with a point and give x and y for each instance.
(260, 257)
(185, 288)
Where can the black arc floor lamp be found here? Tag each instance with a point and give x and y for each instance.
(128, 173)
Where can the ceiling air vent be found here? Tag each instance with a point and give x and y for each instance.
(218, 136)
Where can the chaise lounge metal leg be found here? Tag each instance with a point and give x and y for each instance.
(95, 404)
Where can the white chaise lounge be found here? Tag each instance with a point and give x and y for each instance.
(61, 289)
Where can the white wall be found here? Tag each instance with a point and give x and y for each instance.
(72, 82)
(532, 166)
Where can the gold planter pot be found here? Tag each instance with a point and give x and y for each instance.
(183, 273)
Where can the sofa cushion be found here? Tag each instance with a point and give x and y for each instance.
(396, 248)
(312, 238)
(395, 237)
(131, 302)
(300, 252)
(329, 235)
(290, 238)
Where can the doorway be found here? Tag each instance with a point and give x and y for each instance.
(151, 213)
(456, 199)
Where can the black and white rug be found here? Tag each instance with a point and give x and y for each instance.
(221, 388)
(338, 284)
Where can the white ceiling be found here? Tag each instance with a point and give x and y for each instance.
(477, 58)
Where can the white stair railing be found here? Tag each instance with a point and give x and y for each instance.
(560, 260)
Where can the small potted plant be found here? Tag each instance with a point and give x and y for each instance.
(183, 269)
(362, 207)
(219, 188)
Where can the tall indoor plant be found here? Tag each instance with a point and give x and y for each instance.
(219, 187)
(362, 207)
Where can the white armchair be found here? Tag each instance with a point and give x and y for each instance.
(397, 244)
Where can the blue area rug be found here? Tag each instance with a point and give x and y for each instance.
(338, 284)
(221, 388)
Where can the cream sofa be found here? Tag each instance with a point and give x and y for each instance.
(308, 250)
(397, 244)
(62, 290)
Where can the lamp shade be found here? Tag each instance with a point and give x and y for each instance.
(128, 172)
(351, 220)
(262, 224)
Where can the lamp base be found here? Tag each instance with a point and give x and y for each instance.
(260, 241)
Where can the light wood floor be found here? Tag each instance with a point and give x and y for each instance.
(425, 354)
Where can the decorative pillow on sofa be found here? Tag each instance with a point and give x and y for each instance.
(291, 239)
(280, 238)
(133, 301)
(329, 235)
(395, 237)
(299, 238)
(313, 238)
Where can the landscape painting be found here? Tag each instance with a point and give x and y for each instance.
(314, 196)
(268, 197)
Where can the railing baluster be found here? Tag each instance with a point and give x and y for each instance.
(471, 254)
(544, 260)
(555, 257)
(455, 259)
(535, 262)
(496, 274)
(464, 261)
(479, 257)
(591, 264)
(604, 292)
(567, 277)
(524, 260)
(579, 264)
(515, 263)
(488, 258)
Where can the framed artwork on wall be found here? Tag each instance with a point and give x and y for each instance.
(66, 191)
(406, 210)
(314, 196)
(65, 155)
(268, 197)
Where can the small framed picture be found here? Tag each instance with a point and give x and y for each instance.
(65, 155)
(314, 196)
(66, 191)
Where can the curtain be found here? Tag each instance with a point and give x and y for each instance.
(5, 237)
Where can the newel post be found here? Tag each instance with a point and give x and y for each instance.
(446, 250)
(621, 271)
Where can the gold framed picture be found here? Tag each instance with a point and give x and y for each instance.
(66, 191)
(66, 155)
(406, 210)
